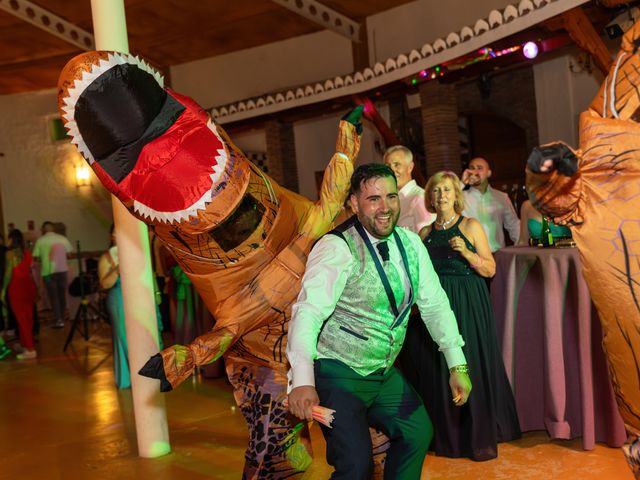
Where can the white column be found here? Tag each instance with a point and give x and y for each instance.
(110, 30)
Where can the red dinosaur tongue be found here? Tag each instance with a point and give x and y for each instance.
(156, 150)
(175, 173)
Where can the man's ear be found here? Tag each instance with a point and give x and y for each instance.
(354, 203)
(489, 175)
(411, 165)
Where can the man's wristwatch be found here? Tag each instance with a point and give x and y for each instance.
(464, 368)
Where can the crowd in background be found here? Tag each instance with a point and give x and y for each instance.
(35, 282)
(462, 221)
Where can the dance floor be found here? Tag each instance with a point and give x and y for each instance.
(61, 417)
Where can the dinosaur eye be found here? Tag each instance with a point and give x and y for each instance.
(240, 224)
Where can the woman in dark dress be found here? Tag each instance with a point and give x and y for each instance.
(461, 256)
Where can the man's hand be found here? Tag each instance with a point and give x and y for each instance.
(470, 178)
(301, 401)
(556, 156)
(466, 176)
(460, 384)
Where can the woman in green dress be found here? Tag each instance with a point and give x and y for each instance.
(531, 226)
(461, 256)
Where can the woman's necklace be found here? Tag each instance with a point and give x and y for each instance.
(443, 225)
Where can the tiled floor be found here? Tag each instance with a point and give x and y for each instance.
(62, 418)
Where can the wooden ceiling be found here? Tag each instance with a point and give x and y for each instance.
(165, 32)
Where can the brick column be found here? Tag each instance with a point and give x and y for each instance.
(281, 153)
(440, 127)
(396, 116)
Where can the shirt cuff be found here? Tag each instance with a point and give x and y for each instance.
(304, 376)
(454, 356)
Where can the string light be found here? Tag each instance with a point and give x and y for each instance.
(530, 50)
(481, 55)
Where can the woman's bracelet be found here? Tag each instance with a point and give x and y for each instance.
(464, 368)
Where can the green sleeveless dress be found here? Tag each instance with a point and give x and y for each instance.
(489, 416)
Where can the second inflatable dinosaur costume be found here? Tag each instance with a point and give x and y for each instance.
(240, 237)
(596, 191)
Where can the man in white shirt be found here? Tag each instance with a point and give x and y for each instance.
(51, 250)
(413, 212)
(348, 326)
(492, 208)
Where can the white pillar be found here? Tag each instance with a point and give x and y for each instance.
(110, 31)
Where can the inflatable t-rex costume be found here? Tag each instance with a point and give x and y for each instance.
(596, 191)
(241, 238)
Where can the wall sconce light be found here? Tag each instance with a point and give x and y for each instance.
(83, 176)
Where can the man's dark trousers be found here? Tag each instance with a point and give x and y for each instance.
(383, 400)
(56, 286)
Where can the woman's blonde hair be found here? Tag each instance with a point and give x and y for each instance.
(438, 178)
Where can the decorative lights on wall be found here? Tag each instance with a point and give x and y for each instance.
(530, 50)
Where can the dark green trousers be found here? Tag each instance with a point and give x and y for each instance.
(382, 400)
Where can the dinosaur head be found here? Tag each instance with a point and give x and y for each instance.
(161, 154)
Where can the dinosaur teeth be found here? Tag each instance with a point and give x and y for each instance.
(82, 83)
(173, 217)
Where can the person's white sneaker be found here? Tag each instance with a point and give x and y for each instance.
(27, 355)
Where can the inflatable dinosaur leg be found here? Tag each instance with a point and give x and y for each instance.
(279, 444)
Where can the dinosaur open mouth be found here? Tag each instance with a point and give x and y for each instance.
(156, 150)
(179, 173)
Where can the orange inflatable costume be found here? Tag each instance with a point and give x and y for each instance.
(241, 238)
(596, 191)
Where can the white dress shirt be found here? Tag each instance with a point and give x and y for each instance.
(494, 210)
(327, 270)
(414, 215)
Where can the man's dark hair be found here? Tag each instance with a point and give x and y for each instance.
(368, 171)
(489, 163)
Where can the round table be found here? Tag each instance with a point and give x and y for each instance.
(551, 339)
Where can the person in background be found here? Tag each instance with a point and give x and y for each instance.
(492, 208)
(109, 278)
(413, 214)
(4, 310)
(51, 249)
(461, 256)
(349, 323)
(531, 225)
(7, 318)
(18, 284)
(5, 351)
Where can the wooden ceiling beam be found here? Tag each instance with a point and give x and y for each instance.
(49, 22)
(36, 59)
(586, 37)
(614, 3)
(324, 16)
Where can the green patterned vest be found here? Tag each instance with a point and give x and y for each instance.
(363, 331)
